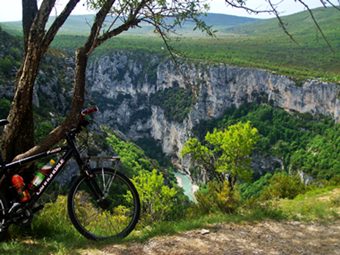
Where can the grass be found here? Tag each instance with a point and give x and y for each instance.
(277, 54)
(262, 44)
(55, 234)
(320, 204)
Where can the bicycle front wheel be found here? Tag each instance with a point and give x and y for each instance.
(104, 206)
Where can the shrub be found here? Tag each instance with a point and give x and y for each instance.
(217, 197)
(158, 200)
(282, 185)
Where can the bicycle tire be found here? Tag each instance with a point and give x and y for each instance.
(3, 210)
(116, 214)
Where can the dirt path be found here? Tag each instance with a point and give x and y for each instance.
(260, 238)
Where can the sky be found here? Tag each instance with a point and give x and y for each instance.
(11, 9)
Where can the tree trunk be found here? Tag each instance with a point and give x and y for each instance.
(73, 117)
(18, 135)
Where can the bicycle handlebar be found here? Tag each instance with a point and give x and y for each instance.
(83, 121)
(89, 110)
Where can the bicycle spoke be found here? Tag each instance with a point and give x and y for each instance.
(103, 177)
(106, 191)
(112, 216)
(107, 185)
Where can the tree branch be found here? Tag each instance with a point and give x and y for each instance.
(37, 31)
(130, 22)
(316, 23)
(59, 21)
(282, 24)
(241, 5)
(29, 11)
(97, 25)
(330, 3)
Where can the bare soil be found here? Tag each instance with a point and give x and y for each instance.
(268, 237)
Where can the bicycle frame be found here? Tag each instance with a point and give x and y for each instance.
(98, 186)
(69, 151)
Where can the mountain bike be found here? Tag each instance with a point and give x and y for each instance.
(102, 202)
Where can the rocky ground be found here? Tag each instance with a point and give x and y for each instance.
(248, 238)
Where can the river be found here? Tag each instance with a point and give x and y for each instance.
(185, 182)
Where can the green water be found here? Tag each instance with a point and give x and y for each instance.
(185, 182)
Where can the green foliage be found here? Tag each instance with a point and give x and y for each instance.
(161, 198)
(10, 55)
(132, 158)
(153, 149)
(254, 189)
(282, 185)
(289, 137)
(235, 146)
(320, 158)
(176, 102)
(226, 152)
(158, 200)
(43, 128)
(7, 65)
(217, 197)
(53, 221)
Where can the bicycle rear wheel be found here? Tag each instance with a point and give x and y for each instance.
(3, 210)
(104, 206)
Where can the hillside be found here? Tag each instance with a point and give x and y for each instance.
(240, 41)
(300, 25)
(79, 25)
(260, 44)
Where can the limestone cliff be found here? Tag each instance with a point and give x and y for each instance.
(133, 91)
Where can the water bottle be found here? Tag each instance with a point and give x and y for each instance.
(41, 174)
(19, 184)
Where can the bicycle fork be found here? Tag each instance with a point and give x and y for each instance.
(99, 194)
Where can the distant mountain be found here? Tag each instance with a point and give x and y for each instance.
(80, 24)
(298, 24)
(223, 20)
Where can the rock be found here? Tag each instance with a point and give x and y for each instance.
(204, 231)
(124, 82)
